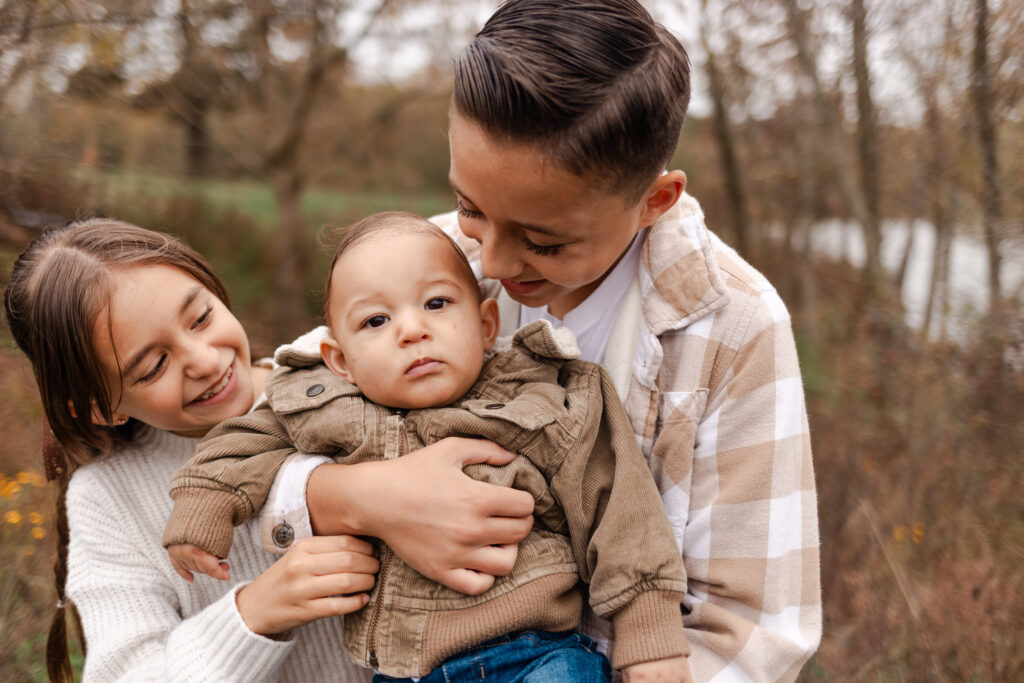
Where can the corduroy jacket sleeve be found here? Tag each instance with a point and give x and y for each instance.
(227, 480)
(620, 535)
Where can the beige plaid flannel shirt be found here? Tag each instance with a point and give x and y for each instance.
(705, 363)
(702, 355)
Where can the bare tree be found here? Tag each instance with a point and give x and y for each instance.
(867, 145)
(982, 98)
(724, 136)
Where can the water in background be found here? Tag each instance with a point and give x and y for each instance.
(968, 266)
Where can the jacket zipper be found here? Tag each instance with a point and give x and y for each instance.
(371, 644)
(385, 566)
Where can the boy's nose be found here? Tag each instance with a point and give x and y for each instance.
(499, 256)
(411, 329)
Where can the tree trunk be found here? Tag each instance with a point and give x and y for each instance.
(726, 145)
(292, 259)
(197, 138)
(981, 89)
(867, 146)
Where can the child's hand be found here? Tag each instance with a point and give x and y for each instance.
(671, 670)
(318, 577)
(186, 558)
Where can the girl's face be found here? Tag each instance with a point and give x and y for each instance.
(179, 356)
(550, 236)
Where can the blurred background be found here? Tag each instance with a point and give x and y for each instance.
(866, 155)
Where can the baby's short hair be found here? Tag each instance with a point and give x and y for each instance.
(597, 84)
(396, 223)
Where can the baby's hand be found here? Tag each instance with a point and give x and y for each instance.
(671, 670)
(186, 558)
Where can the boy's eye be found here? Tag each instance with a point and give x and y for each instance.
(375, 321)
(155, 371)
(437, 303)
(461, 209)
(541, 249)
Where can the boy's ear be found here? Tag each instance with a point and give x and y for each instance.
(662, 196)
(334, 358)
(490, 321)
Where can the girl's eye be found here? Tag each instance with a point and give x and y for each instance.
(437, 303)
(204, 318)
(461, 209)
(151, 375)
(542, 250)
(375, 321)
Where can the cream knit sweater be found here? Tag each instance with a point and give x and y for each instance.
(142, 621)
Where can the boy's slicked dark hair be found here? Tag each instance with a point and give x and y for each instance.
(597, 84)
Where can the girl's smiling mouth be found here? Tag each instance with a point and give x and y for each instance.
(219, 389)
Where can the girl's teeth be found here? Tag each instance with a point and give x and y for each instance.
(220, 385)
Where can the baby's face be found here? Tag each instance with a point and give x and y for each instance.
(407, 327)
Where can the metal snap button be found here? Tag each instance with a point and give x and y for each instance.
(494, 406)
(315, 390)
(283, 535)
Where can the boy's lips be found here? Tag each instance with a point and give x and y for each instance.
(423, 366)
(219, 389)
(528, 287)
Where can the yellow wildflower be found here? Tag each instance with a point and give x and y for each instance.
(918, 532)
(35, 518)
(24, 477)
(13, 517)
(38, 533)
(10, 488)
(900, 532)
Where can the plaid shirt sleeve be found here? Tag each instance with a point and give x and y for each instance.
(730, 451)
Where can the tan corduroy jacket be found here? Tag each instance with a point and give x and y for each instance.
(599, 517)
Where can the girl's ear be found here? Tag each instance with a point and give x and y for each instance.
(490, 321)
(662, 196)
(117, 419)
(334, 358)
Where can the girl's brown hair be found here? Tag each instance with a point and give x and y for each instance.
(58, 288)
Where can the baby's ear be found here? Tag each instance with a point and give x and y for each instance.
(334, 358)
(490, 322)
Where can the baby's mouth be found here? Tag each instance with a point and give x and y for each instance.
(219, 386)
(421, 366)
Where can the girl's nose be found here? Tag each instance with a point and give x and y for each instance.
(202, 360)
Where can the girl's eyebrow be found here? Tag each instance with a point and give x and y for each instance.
(137, 359)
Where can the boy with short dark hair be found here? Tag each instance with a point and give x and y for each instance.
(564, 118)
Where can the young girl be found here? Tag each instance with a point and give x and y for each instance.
(136, 355)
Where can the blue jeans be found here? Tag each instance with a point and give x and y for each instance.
(523, 657)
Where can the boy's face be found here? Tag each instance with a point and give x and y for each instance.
(406, 326)
(548, 234)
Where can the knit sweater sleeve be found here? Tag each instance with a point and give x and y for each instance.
(227, 480)
(621, 536)
(132, 615)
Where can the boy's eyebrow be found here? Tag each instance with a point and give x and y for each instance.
(137, 359)
(543, 230)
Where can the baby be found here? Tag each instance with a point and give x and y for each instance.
(405, 361)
